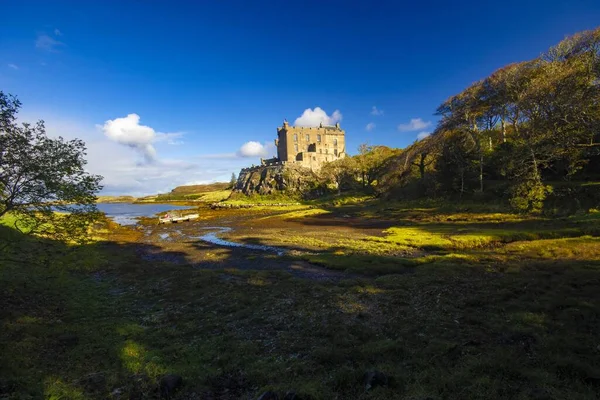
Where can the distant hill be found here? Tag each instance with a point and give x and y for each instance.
(209, 193)
(115, 199)
(195, 189)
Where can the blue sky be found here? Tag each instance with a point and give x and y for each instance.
(168, 93)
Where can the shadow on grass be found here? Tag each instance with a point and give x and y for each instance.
(109, 319)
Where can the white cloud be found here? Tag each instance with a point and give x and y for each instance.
(317, 116)
(124, 174)
(370, 126)
(128, 131)
(376, 111)
(415, 124)
(423, 135)
(13, 66)
(170, 138)
(256, 149)
(46, 43)
(57, 32)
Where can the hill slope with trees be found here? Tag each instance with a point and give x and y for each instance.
(528, 135)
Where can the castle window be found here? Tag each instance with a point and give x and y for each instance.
(335, 152)
(295, 137)
(307, 137)
(318, 138)
(296, 148)
(326, 151)
(335, 143)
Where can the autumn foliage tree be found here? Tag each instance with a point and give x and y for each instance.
(527, 123)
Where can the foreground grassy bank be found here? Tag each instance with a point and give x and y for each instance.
(454, 303)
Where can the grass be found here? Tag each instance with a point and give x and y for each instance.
(278, 198)
(213, 196)
(485, 305)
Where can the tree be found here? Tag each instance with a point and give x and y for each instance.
(465, 112)
(232, 181)
(339, 173)
(455, 164)
(43, 182)
(371, 162)
(528, 123)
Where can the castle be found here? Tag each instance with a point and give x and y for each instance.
(309, 147)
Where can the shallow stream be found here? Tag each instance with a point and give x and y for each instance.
(211, 237)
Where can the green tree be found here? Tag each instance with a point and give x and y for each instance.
(43, 182)
(371, 163)
(456, 163)
(339, 174)
(465, 112)
(232, 181)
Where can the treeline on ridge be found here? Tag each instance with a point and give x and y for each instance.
(528, 134)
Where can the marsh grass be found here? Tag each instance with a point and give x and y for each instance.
(517, 319)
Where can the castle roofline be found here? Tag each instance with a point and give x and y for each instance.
(321, 126)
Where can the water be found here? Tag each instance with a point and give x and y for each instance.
(128, 213)
(212, 237)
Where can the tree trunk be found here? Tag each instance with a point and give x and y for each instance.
(480, 171)
(475, 138)
(536, 173)
(503, 124)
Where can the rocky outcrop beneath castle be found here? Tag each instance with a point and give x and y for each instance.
(270, 179)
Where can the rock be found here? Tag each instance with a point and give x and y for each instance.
(68, 339)
(374, 378)
(268, 396)
(291, 395)
(275, 178)
(169, 384)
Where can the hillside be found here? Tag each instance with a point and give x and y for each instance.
(527, 136)
(195, 189)
(209, 193)
(115, 199)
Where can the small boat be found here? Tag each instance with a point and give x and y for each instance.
(170, 218)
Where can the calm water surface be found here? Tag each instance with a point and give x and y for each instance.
(128, 213)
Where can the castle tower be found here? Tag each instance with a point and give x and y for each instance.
(310, 147)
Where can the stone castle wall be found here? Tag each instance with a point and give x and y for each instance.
(310, 147)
